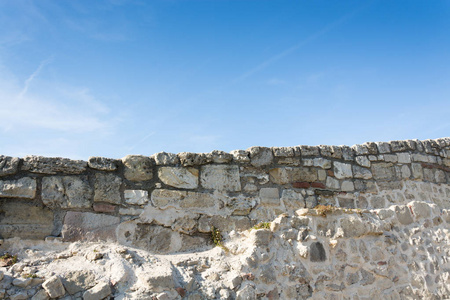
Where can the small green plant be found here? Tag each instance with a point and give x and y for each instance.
(7, 260)
(216, 237)
(323, 210)
(262, 225)
(28, 275)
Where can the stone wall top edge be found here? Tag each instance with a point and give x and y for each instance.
(218, 156)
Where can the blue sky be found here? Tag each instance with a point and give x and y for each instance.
(111, 78)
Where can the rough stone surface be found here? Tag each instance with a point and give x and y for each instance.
(100, 291)
(107, 188)
(269, 196)
(102, 163)
(54, 287)
(89, 227)
(164, 159)
(179, 177)
(220, 177)
(342, 170)
(8, 165)
(137, 167)
(21, 188)
(77, 281)
(136, 197)
(317, 252)
(67, 192)
(53, 165)
(260, 156)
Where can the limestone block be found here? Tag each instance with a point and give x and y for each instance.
(383, 147)
(102, 163)
(189, 159)
(138, 167)
(40, 295)
(54, 287)
(24, 220)
(286, 175)
(363, 161)
(185, 178)
(136, 197)
(283, 151)
(417, 170)
(406, 172)
(269, 196)
(342, 170)
(221, 157)
(404, 158)
(360, 149)
(66, 192)
(100, 291)
(403, 214)
(53, 165)
(353, 226)
(260, 156)
(383, 171)
(322, 163)
(292, 199)
(317, 252)
(246, 293)
(77, 281)
(131, 211)
(164, 159)
(420, 209)
(240, 156)
(261, 237)
(309, 150)
(107, 188)
(201, 202)
(88, 226)
(221, 177)
(8, 165)
(360, 172)
(21, 188)
(333, 183)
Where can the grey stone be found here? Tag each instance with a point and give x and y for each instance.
(8, 165)
(100, 291)
(24, 220)
(189, 159)
(221, 157)
(333, 183)
(77, 281)
(107, 188)
(317, 252)
(404, 158)
(160, 280)
(342, 170)
(246, 293)
(88, 226)
(53, 165)
(22, 295)
(417, 170)
(201, 202)
(261, 237)
(347, 186)
(102, 163)
(360, 149)
(21, 188)
(309, 150)
(22, 282)
(292, 174)
(221, 177)
(138, 167)
(322, 163)
(363, 161)
(54, 287)
(269, 196)
(283, 151)
(383, 147)
(136, 197)
(179, 177)
(40, 295)
(420, 209)
(403, 214)
(383, 171)
(353, 226)
(164, 159)
(360, 172)
(366, 277)
(260, 156)
(240, 156)
(67, 192)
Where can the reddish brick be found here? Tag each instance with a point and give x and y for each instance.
(301, 185)
(330, 173)
(319, 185)
(106, 208)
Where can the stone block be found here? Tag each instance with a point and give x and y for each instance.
(66, 192)
(25, 220)
(40, 295)
(363, 161)
(53, 165)
(261, 237)
(8, 165)
(347, 186)
(283, 151)
(353, 226)
(342, 170)
(102, 163)
(136, 197)
(269, 196)
(240, 156)
(221, 177)
(164, 159)
(86, 226)
(220, 157)
(138, 167)
(333, 183)
(383, 147)
(317, 252)
(322, 163)
(79, 280)
(188, 159)
(420, 209)
(404, 158)
(417, 170)
(54, 287)
(21, 188)
(360, 172)
(403, 214)
(103, 207)
(100, 291)
(383, 171)
(179, 177)
(107, 188)
(260, 156)
(309, 150)
(201, 202)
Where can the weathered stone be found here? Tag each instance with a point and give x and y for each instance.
(22, 282)
(107, 188)
(404, 214)
(53, 165)
(54, 287)
(8, 165)
(363, 161)
(260, 156)
(24, 220)
(309, 150)
(136, 197)
(366, 277)
(317, 252)
(103, 207)
(269, 196)
(164, 159)
(246, 293)
(102, 163)
(202, 202)
(221, 177)
(342, 170)
(333, 183)
(289, 174)
(66, 192)
(77, 281)
(360, 149)
(404, 158)
(138, 167)
(21, 295)
(88, 226)
(406, 172)
(179, 177)
(322, 163)
(160, 280)
(417, 170)
(347, 186)
(261, 237)
(383, 147)
(240, 156)
(21, 188)
(383, 171)
(221, 157)
(131, 211)
(353, 226)
(188, 159)
(420, 209)
(100, 291)
(292, 199)
(360, 172)
(283, 151)
(40, 295)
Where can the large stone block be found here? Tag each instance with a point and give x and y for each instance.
(291, 174)
(25, 220)
(8, 165)
(53, 165)
(179, 177)
(164, 159)
(342, 170)
(107, 188)
(383, 171)
(138, 167)
(136, 197)
(269, 196)
(86, 226)
(221, 177)
(198, 202)
(21, 188)
(67, 192)
(260, 156)
(102, 163)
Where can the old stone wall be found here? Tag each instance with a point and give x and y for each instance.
(380, 223)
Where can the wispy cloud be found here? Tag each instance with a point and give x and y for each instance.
(141, 141)
(32, 76)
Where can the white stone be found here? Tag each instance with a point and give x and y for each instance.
(179, 177)
(404, 158)
(136, 197)
(332, 183)
(322, 163)
(342, 170)
(20, 188)
(347, 186)
(363, 161)
(221, 177)
(269, 196)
